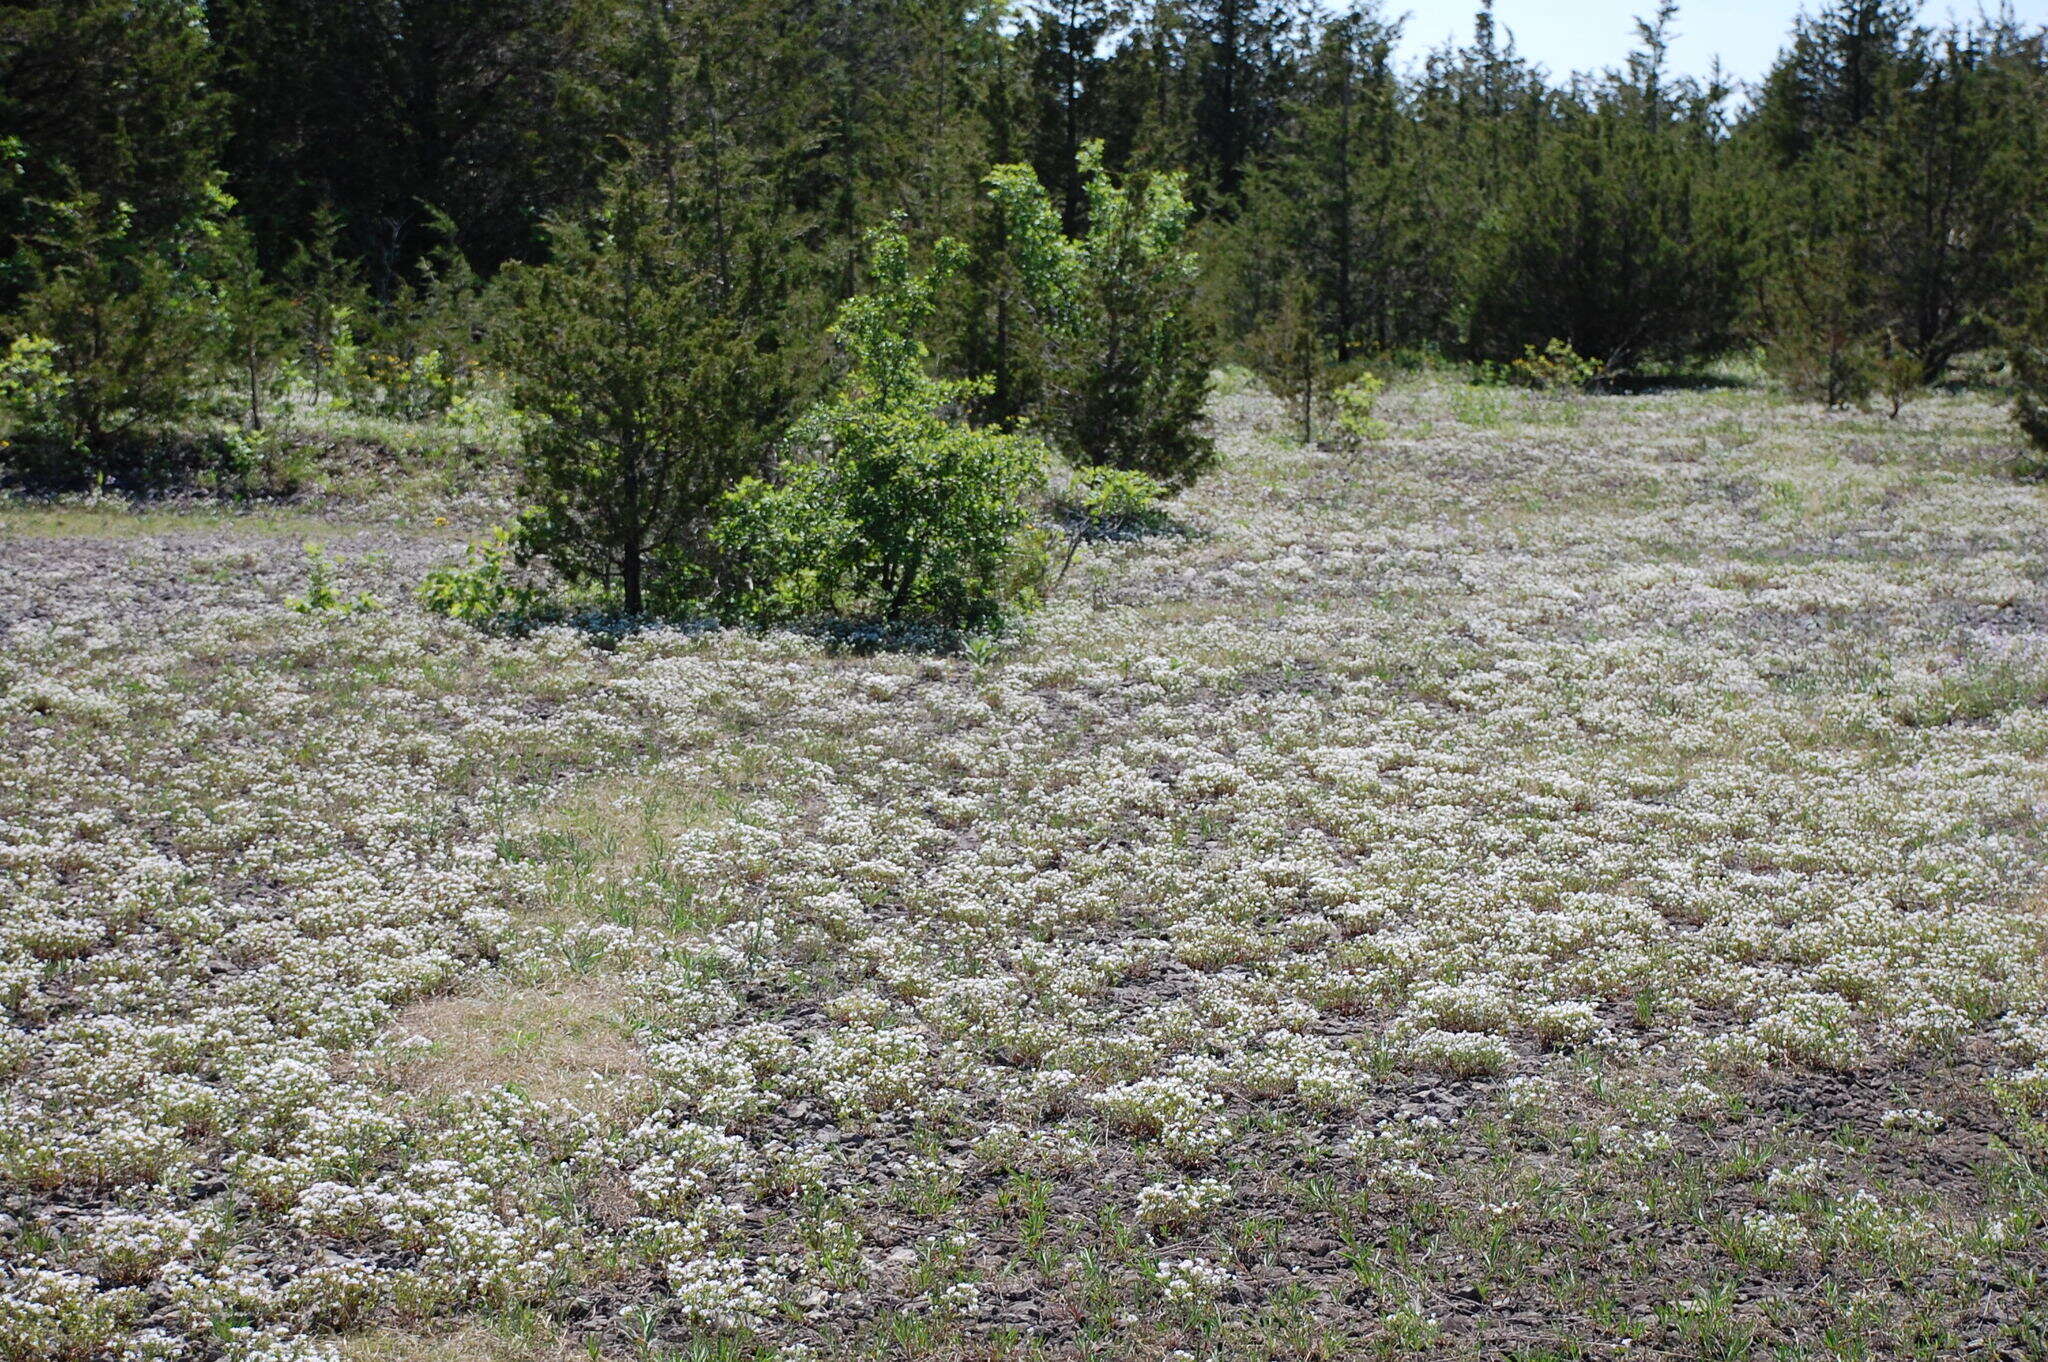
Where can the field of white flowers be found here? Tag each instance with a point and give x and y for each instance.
(1565, 882)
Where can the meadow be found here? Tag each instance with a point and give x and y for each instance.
(1562, 881)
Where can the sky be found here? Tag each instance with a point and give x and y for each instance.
(1591, 35)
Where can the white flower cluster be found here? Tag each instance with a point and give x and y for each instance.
(1181, 1205)
(1181, 1113)
(1191, 1281)
(722, 1293)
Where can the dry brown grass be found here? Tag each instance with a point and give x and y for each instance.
(473, 1343)
(565, 1040)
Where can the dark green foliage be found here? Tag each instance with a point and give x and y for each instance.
(1916, 153)
(1062, 46)
(646, 394)
(897, 509)
(110, 98)
(1617, 240)
(1823, 331)
(1842, 72)
(708, 96)
(1241, 56)
(1127, 359)
(255, 322)
(127, 325)
(381, 108)
(2026, 347)
(1953, 186)
(1347, 190)
(1289, 354)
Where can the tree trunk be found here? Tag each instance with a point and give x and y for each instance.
(900, 601)
(635, 604)
(635, 536)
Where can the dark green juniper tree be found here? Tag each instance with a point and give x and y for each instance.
(1290, 355)
(1620, 238)
(129, 326)
(646, 391)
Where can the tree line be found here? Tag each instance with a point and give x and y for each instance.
(384, 203)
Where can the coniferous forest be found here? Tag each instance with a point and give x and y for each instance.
(1051, 681)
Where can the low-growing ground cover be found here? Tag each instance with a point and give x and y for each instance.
(1562, 882)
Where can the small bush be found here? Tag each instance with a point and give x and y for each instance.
(1556, 368)
(420, 355)
(1357, 404)
(1290, 357)
(482, 590)
(1480, 403)
(255, 323)
(902, 511)
(1821, 342)
(1900, 376)
(247, 463)
(1108, 503)
(32, 389)
(1117, 501)
(331, 295)
(322, 597)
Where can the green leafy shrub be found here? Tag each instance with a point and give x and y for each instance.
(1109, 503)
(393, 377)
(1357, 404)
(901, 511)
(322, 596)
(1117, 501)
(482, 589)
(1556, 368)
(1127, 358)
(32, 390)
(1480, 403)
